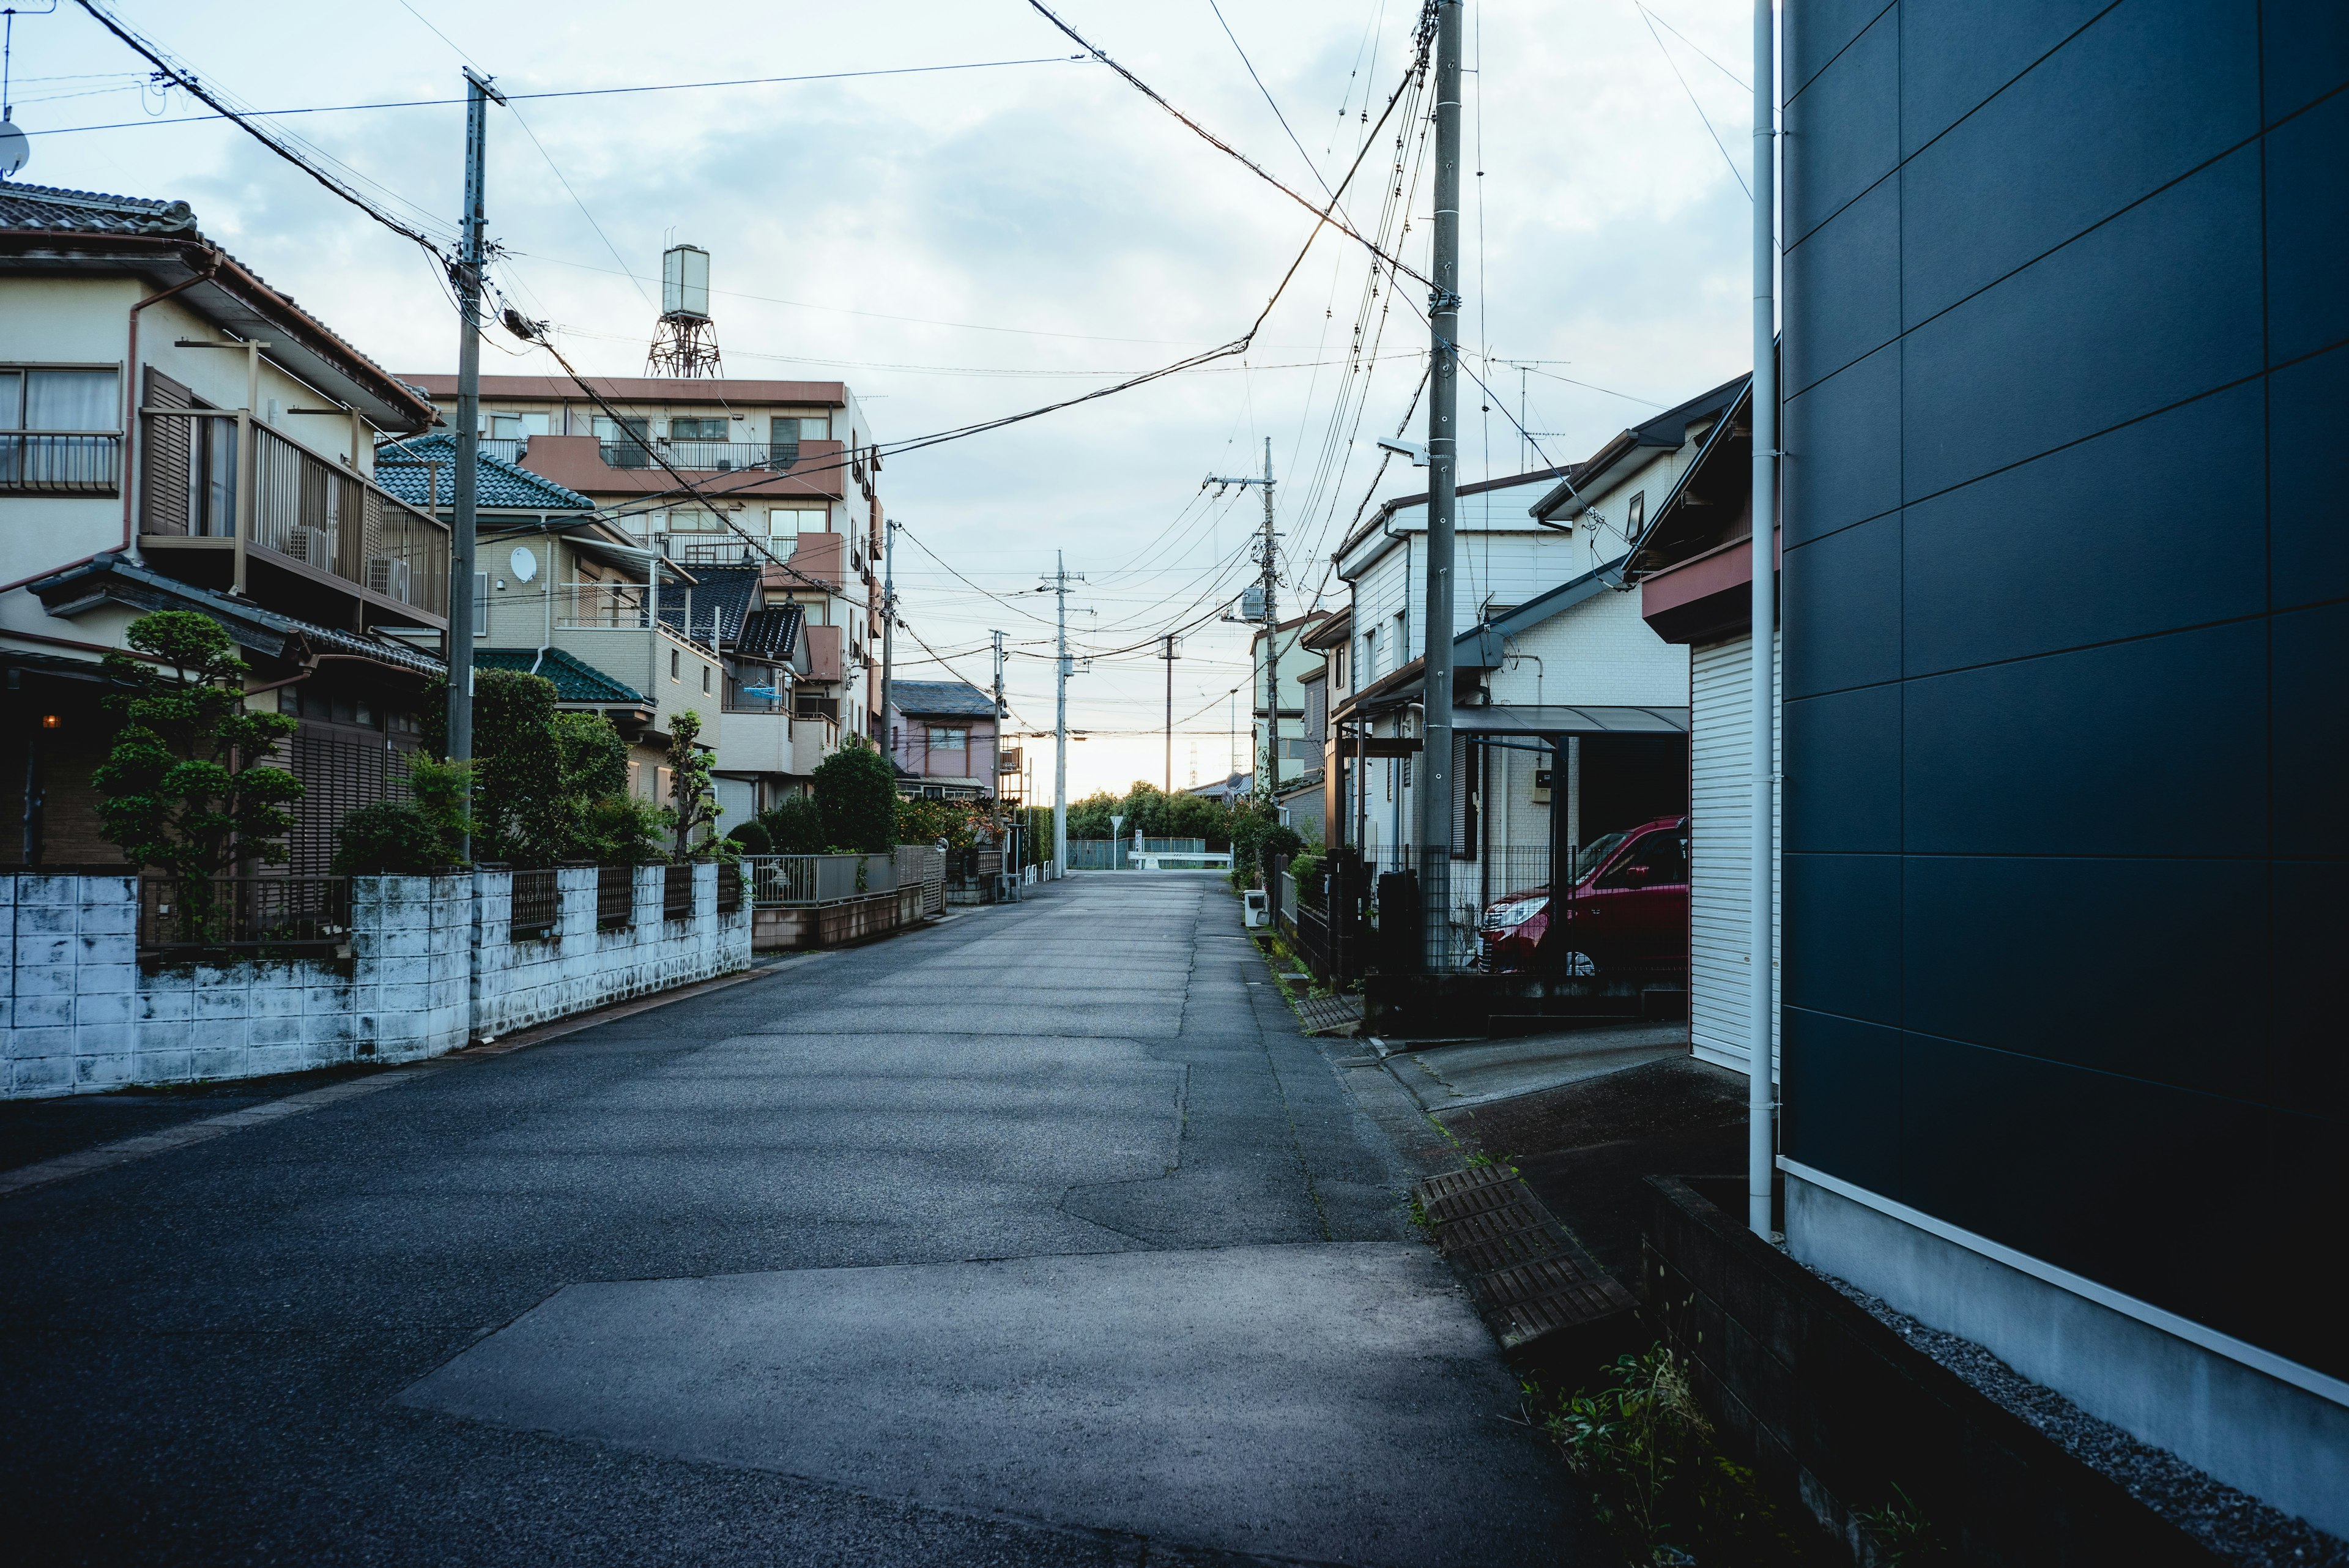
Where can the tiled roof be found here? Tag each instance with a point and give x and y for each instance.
(280, 635)
(575, 680)
(87, 212)
(722, 599)
(938, 697)
(770, 633)
(405, 467)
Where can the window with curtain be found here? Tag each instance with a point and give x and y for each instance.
(698, 429)
(786, 522)
(38, 399)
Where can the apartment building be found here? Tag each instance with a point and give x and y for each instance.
(175, 433)
(721, 471)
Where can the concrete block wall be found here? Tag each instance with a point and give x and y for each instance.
(576, 967)
(431, 967)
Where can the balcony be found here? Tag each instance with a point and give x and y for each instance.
(46, 462)
(284, 519)
(698, 456)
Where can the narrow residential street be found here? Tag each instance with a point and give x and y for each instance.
(1041, 1237)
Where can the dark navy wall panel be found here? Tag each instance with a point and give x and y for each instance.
(1841, 1089)
(2176, 83)
(2308, 513)
(1854, 256)
(2152, 747)
(1861, 894)
(1853, 807)
(1845, 590)
(2156, 969)
(1819, 32)
(1956, 53)
(2308, 240)
(2307, 53)
(2157, 524)
(1851, 471)
(1860, 95)
(2160, 305)
(2103, 715)
(2099, 1173)
(2312, 734)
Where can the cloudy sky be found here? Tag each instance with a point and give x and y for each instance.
(965, 244)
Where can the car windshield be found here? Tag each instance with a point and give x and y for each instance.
(1595, 852)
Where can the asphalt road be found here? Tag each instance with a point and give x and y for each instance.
(1039, 1237)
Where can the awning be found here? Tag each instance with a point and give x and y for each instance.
(1559, 720)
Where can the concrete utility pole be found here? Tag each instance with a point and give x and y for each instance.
(478, 94)
(1061, 723)
(1761, 1101)
(889, 640)
(1169, 657)
(1443, 488)
(1268, 776)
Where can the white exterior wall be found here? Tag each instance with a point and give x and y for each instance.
(1721, 776)
(431, 968)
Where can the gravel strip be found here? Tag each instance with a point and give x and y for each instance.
(2237, 1526)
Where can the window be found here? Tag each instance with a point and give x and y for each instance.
(1370, 659)
(811, 428)
(505, 424)
(698, 429)
(693, 520)
(624, 441)
(1635, 516)
(53, 421)
(789, 522)
(672, 664)
(705, 681)
(1659, 860)
(946, 740)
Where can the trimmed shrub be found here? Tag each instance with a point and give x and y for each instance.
(857, 794)
(751, 839)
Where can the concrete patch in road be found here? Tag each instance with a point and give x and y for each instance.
(1331, 1402)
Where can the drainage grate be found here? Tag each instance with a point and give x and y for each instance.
(1329, 1014)
(1532, 1275)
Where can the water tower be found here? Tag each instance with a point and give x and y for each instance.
(686, 341)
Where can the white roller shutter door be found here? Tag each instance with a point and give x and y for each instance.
(1721, 772)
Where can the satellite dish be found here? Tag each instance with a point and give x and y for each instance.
(16, 149)
(524, 564)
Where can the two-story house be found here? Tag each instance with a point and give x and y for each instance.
(1282, 664)
(175, 433)
(779, 472)
(944, 737)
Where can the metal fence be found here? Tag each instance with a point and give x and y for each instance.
(43, 463)
(925, 865)
(730, 887)
(677, 892)
(270, 916)
(536, 908)
(789, 881)
(616, 897)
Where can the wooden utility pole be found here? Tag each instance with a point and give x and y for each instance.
(466, 481)
(1443, 496)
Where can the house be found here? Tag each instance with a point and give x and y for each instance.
(1279, 717)
(2066, 603)
(783, 473)
(944, 738)
(175, 433)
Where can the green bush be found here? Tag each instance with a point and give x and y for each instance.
(795, 827)
(751, 839)
(390, 838)
(856, 792)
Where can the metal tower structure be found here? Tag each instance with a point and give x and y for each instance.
(685, 343)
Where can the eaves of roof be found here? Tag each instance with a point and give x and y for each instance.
(48, 230)
(1387, 509)
(575, 680)
(110, 578)
(1666, 430)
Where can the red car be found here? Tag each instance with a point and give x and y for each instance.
(1628, 909)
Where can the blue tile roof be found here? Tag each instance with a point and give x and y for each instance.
(927, 699)
(404, 468)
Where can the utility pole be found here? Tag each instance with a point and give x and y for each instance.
(1442, 490)
(478, 94)
(1061, 722)
(995, 784)
(1169, 657)
(889, 640)
(1761, 1101)
(1268, 777)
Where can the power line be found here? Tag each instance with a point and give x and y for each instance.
(1677, 76)
(570, 93)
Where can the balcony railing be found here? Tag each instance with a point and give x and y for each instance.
(701, 456)
(785, 881)
(302, 508)
(40, 462)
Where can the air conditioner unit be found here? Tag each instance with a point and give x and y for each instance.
(388, 577)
